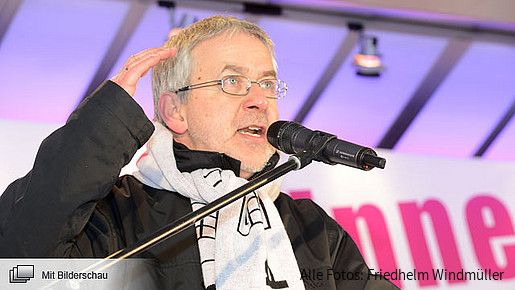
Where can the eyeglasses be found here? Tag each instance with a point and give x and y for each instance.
(239, 85)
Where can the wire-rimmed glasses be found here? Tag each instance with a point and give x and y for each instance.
(239, 85)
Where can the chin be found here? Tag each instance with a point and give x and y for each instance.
(256, 164)
(252, 167)
(253, 159)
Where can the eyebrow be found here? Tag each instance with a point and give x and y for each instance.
(244, 71)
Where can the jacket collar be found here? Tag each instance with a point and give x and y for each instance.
(190, 160)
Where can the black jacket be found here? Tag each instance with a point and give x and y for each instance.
(74, 204)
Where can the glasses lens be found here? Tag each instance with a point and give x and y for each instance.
(236, 85)
(239, 85)
(270, 87)
(280, 89)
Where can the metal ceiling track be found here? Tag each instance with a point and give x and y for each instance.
(342, 52)
(7, 12)
(450, 56)
(324, 13)
(497, 130)
(126, 29)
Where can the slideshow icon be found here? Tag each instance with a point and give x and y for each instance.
(21, 273)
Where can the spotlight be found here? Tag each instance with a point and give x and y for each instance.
(368, 60)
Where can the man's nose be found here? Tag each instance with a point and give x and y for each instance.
(256, 99)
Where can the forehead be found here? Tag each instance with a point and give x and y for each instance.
(227, 50)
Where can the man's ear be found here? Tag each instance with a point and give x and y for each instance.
(170, 110)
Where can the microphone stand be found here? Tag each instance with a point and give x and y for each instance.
(295, 162)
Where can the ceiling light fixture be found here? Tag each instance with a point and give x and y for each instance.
(368, 61)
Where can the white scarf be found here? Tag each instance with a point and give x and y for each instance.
(245, 244)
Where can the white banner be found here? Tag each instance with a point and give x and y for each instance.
(424, 222)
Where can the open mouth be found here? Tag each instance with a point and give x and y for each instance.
(254, 131)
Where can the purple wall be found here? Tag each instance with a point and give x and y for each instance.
(53, 48)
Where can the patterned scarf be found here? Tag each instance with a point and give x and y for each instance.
(244, 244)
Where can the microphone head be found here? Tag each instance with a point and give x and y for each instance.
(273, 133)
(280, 134)
(293, 138)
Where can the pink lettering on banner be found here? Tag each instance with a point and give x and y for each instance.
(489, 223)
(411, 214)
(377, 231)
(300, 194)
(483, 232)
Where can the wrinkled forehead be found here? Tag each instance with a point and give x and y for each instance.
(241, 51)
(234, 49)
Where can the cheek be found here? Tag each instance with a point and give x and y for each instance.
(201, 110)
(212, 120)
(273, 113)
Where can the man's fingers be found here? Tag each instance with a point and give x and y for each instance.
(143, 54)
(147, 61)
(138, 64)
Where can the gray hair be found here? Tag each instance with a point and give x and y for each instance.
(174, 73)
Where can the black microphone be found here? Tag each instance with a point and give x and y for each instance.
(291, 138)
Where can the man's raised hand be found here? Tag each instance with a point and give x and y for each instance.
(138, 65)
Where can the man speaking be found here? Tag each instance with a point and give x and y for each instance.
(215, 92)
